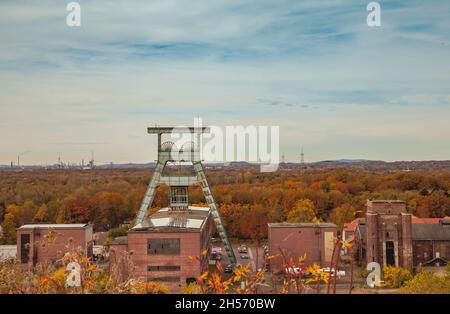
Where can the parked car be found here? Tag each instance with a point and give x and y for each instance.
(244, 256)
(98, 252)
(216, 256)
(297, 271)
(214, 240)
(340, 273)
(216, 249)
(228, 269)
(242, 249)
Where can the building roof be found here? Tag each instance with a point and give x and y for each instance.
(351, 226)
(385, 201)
(436, 260)
(417, 220)
(166, 220)
(350, 239)
(53, 226)
(119, 240)
(430, 232)
(301, 225)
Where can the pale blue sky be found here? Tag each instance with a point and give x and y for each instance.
(334, 86)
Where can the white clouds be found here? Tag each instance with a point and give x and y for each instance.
(134, 63)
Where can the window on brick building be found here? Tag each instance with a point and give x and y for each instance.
(164, 279)
(163, 246)
(164, 268)
(24, 248)
(390, 253)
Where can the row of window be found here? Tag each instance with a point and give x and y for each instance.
(164, 268)
(172, 279)
(163, 246)
(24, 247)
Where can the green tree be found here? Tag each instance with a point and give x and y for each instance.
(117, 232)
(303, 211)
(9, 230)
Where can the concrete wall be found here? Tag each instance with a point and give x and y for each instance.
(8, 251)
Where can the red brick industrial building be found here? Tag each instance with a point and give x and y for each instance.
(167, 247)
(389, 239)
(431, 243)
(37, 243)
(299, 239)
(391, 236)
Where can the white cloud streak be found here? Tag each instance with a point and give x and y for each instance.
(134, 63)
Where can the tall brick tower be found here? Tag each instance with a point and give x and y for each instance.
(389, 233)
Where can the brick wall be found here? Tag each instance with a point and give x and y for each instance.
(49, 245)
(298, 241)
(389, 224)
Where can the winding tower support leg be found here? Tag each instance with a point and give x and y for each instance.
(150, 193)
(198, 167)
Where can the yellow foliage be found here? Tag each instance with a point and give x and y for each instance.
(91, 268)
(426, 282)
(395, 277)
(204, 276)
(157, 288)
(59, 276)
(317, 276)
(191, 288)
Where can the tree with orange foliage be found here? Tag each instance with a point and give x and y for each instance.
(342, 214)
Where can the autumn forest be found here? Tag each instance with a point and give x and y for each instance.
(247, 199)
